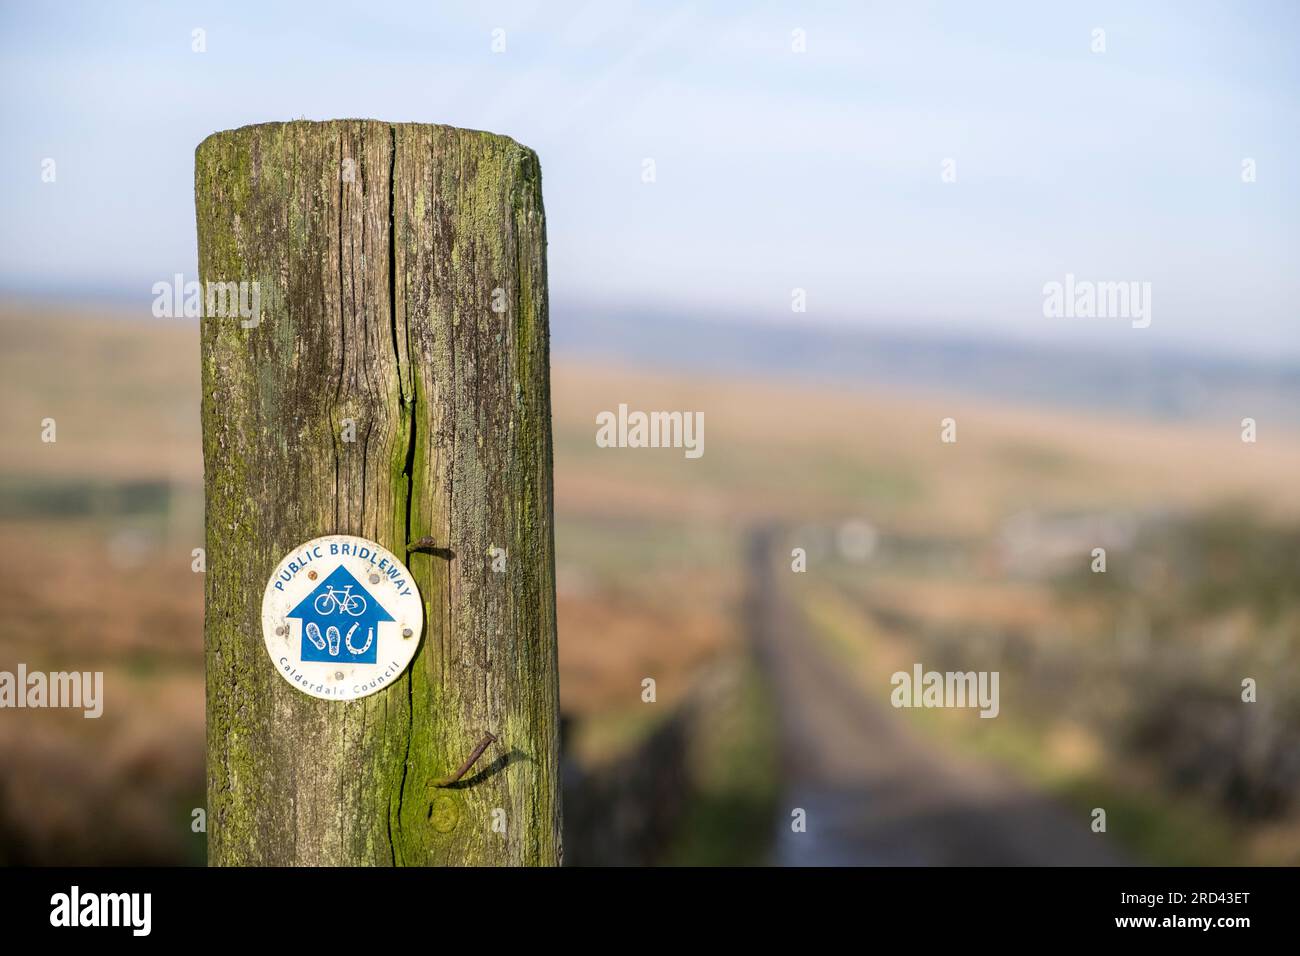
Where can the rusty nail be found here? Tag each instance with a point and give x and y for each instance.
(464, 768)
(311, 575)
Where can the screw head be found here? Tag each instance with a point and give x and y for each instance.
(338, 675)
(282, 630)
(407, 632)
(374, 579)
(311, 575)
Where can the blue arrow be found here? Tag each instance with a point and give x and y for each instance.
(340, 621)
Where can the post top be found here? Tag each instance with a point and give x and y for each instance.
(326, 126)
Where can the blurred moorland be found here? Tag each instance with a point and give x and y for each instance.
(1120, 690)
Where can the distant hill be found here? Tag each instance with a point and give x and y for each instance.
(1153, 385)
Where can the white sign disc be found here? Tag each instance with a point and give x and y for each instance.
(341, 617)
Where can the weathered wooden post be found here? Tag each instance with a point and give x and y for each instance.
(395, 387)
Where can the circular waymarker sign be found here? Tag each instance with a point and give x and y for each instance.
(341, 617)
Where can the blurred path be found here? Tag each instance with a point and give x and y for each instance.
(875, 792)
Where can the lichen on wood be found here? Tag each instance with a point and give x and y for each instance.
(379, 251)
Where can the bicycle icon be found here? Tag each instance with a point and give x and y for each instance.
(344, 601)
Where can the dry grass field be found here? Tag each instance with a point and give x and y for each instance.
(97, 529)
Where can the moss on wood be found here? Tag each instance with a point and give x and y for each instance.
(376, 293)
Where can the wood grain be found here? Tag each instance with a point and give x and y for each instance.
(377, 249)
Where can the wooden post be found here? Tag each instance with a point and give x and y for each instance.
(401, 278)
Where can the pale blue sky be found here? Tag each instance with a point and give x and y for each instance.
(775, 170)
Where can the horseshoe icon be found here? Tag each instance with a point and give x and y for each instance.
(370, 637)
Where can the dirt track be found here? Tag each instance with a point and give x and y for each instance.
(874, 792)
